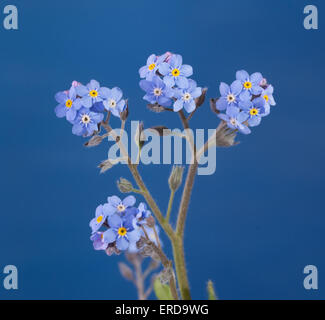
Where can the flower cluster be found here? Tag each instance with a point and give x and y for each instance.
(167, 82)
(83, 106)
(245, 101)
(124, 225)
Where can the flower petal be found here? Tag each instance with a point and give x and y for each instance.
(129, 201)
(109, 236)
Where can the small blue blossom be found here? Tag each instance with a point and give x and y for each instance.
(157, 91)
(142, 214)
(113, 101)
(91, 94)
(69, 104)
(229, 95)
(267, 95)
(255, 110)
(175, 72)
(250, 84)
(116, 205)
(86, 122)
(235, 119)
(153, 63)
(102, 212)
(186, 97)
(98, 241)
(122, 232)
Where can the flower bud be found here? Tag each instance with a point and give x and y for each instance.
(225, 137)
(125, 113)
(94, 141)
(147, 251)
(150, 222)
(166, 275)
(126, 271)
(125, 186)
(176, 177)
(200, 100)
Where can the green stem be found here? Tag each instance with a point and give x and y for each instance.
(181, 273)
(170, 205)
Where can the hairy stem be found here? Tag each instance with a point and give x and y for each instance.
(170, 205)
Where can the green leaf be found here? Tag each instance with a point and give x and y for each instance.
(162, 291)
(211, 293)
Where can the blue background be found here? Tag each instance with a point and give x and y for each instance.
(253, 225)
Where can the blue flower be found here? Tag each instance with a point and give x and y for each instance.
(91, 94)
(69, 104)
(174, 72)
(113, 101)
(153, 63)
(235, 119)
(116, 205)
(250, 84)
(157, 91)
(142, 214)
(267, 95)
(122, 232)
(255, 110)
(186, 97)
(98, 241)
(101, 214)
(86, 122)
(229, 95)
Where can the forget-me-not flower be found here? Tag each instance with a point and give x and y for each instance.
(69, 104)
(229, 95)
(91, 93)
(86, 122)
(186, 97)
(153, 63)
(255, 110)
(157, 91)
(235, 119)
(175, 72)
(250, 84)
(101, 214)
(121, 231)
(116, 205)
(113, 101)
(267, 95)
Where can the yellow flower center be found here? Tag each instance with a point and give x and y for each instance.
(175, 72)
(266, 97)
(247, 85)
(85, 119)
(122, 231)
(121, 207)
(99, 219)
(93, 93)
(102, 236)
(68, 103)
(253, 112)
(152, 66)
